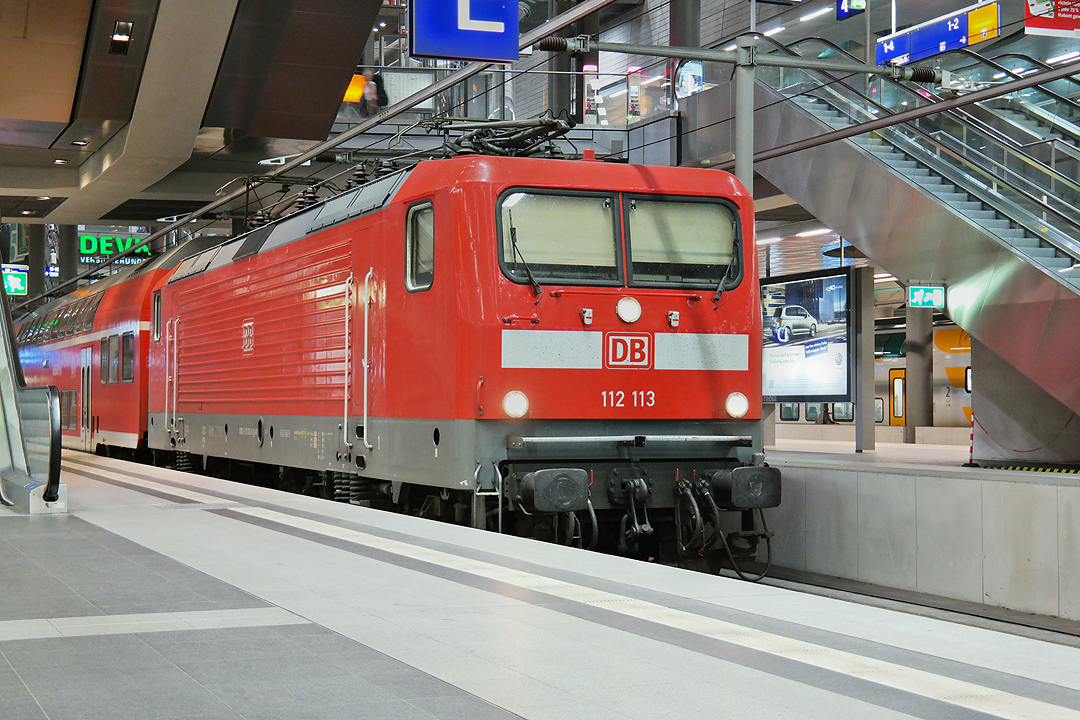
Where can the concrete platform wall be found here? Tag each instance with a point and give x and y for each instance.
(995, 537)
(883, 433)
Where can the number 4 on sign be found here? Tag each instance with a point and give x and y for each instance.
(465, 21)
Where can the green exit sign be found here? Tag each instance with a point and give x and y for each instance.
(15, 279)
(926, 296)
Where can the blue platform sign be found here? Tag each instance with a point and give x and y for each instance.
(847, 8)
(949, 32)
(465, 29)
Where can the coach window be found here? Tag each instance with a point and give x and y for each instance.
(552, 236)
(157, 315)
(127, 365)
(104, 360)
(682, 242)
(420, 247)
(114, 359)
(789, 411)
(879, 410)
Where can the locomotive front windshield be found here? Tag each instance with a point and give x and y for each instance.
(559, 237)
(678, 242)
(577, 239)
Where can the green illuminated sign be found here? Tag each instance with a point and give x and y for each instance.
(15, 279)
(926, 296)
(104, 245)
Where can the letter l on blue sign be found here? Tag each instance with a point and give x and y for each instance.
(465, 29)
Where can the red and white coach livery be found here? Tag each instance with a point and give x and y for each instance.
(564, 349)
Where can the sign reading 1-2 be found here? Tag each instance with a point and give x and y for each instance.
(464, 29)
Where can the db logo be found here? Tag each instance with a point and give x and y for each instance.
(629, 351)
(247, 334)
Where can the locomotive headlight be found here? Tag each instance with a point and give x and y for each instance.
(628, 309)
(515, 404)
(737, 405)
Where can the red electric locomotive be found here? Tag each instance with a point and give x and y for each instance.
(563, 349)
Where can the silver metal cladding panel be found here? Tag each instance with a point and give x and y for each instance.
(553, 349)
(701, 351)
(1020, 311)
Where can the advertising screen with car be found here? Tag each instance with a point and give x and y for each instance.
(806, 355)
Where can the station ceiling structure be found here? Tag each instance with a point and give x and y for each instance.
(124, 111)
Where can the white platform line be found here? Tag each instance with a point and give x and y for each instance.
(919, 682)
(146, 622)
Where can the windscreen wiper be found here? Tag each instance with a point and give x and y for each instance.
(517, 251)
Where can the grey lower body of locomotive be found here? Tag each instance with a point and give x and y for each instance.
(534, 466)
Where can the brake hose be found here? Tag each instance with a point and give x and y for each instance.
(768, 552)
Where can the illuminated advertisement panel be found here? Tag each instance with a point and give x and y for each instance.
(1059, 18)
(807, 331)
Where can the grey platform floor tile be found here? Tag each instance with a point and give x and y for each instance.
(462, 707)
(290, 698)
(21, 708)
(198, 651)
(276, 670)
(394, 710)
(116, 700)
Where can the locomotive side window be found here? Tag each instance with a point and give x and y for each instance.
(420, 247)
(127, 366)
(681, 242)
(157, 315)
(114, 359)
(552, 236)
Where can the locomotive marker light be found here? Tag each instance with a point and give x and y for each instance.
(516, 404)
(628, 309)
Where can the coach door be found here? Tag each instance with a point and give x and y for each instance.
(897, 397)
(86, 413)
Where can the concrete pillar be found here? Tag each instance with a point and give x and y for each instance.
(68, 253)
(35, 242)
(862, 303)
(918, 377)
(559, 80)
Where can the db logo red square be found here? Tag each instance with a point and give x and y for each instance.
(628, 351)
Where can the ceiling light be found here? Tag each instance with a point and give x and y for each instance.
(887, 278)
(999, 76)
(382, 24)
(1063, 58)
(769, 241)
(80, 143)
(770, 33)
(816, 13)
(814, 233)
(729, 48)
(43, 197)
(27, 212)
(60, 161)
(121, 38)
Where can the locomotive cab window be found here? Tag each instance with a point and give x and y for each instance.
(679, 241)
(420, 247)
(552, 236)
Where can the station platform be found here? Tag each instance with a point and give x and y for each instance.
(162, 595)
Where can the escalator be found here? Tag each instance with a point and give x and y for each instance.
(1043, 121)
(30, 443)
(941, 199)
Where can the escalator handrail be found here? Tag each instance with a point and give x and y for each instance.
(1054, 175)
(1015, 76)
(51, 491)
(1064, 243)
